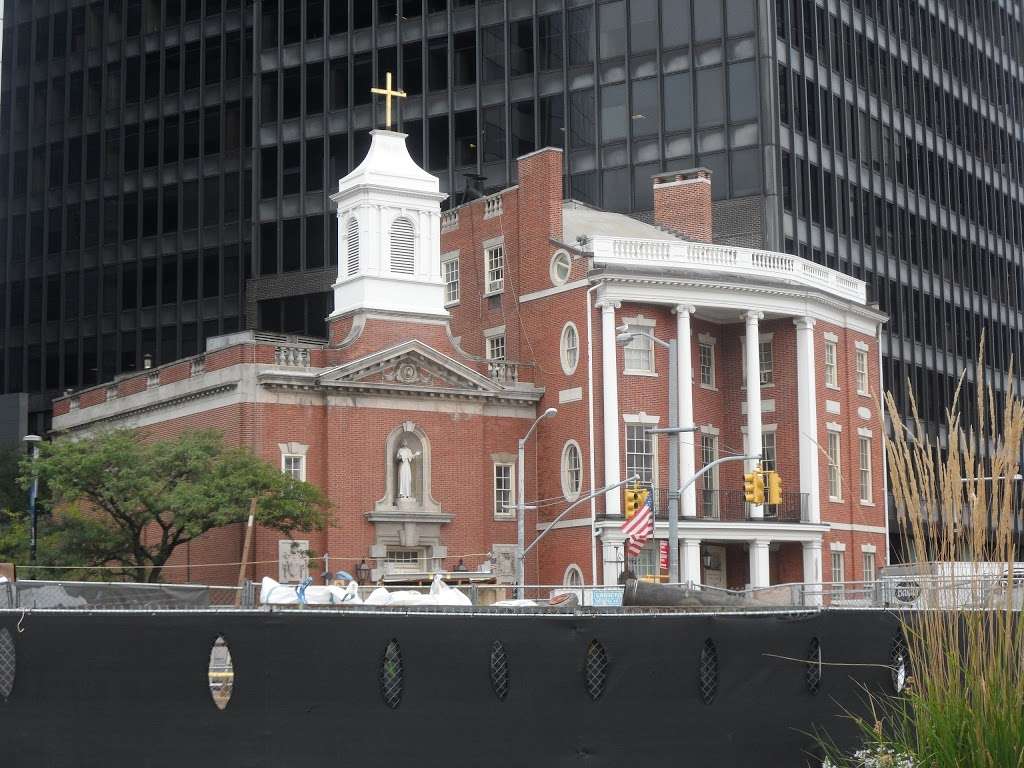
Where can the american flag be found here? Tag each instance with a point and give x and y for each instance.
(639, 528)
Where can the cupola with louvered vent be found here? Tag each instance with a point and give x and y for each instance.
(389, 234)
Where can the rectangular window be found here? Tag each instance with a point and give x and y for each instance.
(640, 453)
(450, 268)
(496, 347)
(862, 372)
(504, 496)
(865, 469)
(767, 364)
(638, 355)
(835, 488)
(707, 365)
(709, 497)
(831, 367)
(869, 566)
(494, 259)
(838, 571)
(294, 465)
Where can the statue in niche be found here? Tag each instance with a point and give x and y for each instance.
(405, 457)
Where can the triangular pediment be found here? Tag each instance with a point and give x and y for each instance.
(410, 365)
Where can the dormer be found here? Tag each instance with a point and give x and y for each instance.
(389, 234)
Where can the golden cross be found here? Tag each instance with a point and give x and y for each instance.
(388, 94)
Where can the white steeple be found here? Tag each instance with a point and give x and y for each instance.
(389, 234)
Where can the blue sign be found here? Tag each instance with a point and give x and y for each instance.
(606, 598)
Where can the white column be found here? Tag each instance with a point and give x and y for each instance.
(753, 399)
(684, 377)
(807, 416)
(759, 572)
(691, 561)
(610, 398)
(812, 572)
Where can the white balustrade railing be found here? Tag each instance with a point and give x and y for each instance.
(668, 254)
(492, 206)
(449, 221)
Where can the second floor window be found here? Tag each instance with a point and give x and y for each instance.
(496, 347)
(638, 354)
(767, 363)
(295, 466)
(639, 454)
(707, 365)
(450, 268)
(862, 372)
(835, 488)
(495, 263)
(831, 368)
(504, 497)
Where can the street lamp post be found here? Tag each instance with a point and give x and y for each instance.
(33, 491)
(520, 501)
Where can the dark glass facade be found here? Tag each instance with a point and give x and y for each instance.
(165, 167)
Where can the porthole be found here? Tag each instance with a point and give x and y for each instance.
(561, 268)
(221, 673)
(572, 470)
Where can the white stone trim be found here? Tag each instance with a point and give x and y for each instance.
(868, 548)
(707, 429)
(568, 493)
(640, 320)
(767, 405)
(764, 428)
(570, 395)
(551, 267)
(493, 241)
(640, 418)
(450, 255)
(706, 338)
(864, 432)
(837, 546)
(864, 413)
(833, 406)
(857, 527)
(862, 346)
(498, 330)
(567, 369)
(832, 426)
(544, 293)
(579, 522)
(829, 336)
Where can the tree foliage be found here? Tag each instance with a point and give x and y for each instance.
(126, 501)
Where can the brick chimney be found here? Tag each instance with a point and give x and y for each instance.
(540, 189)
(682, 203)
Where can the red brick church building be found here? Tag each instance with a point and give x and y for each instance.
(453, 332)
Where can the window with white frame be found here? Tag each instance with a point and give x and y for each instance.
(504, 495)
(766, 362)
(405, 559)
(294, 465)
(450, 268)
(403, 246)
(831, 367)
(569, 348)
(638, 354)
(864, 444)
(862, 372)
(648, 562)
(838, 568)
(640, 453)
(768, 452)
(706, 354)
(573, 576)
(572, 470)
(496, 347)
(835, 486)
(869, 566)
(708, 454)
(494, 262)
(561, 268)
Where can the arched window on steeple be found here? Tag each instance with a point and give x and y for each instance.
(403, 246)
(353, 246)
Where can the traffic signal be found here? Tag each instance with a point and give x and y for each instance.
(774, 488)
(634, 501)
(753, 486)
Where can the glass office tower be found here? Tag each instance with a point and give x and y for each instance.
(165, 166)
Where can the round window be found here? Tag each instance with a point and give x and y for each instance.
(561, 267)
(572, 470)
(569, 345)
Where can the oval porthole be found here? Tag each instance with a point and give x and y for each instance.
(222, 673)
(899, 663)
(595, 670)
(707, 671)
(499, 670)
(8, 663)
(812, 673)
(391, 675)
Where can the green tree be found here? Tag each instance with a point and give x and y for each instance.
(123, 500)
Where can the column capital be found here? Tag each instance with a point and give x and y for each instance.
(761, 543)
(804, 323)
(812, 545)
(690, 542)
(753, 316)
(608, 304)
(684, 309)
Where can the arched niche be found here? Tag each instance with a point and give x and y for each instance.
(407, 442)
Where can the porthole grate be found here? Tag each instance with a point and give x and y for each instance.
(707, 672)
(595, 670)
(499, 670)
(8, 663)
(392, 675)
(899, 662)
(812, 671)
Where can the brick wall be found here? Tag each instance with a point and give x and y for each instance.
(682, 203)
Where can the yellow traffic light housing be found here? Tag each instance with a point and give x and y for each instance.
(632, 501)
(774, 488)
(753, 486)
